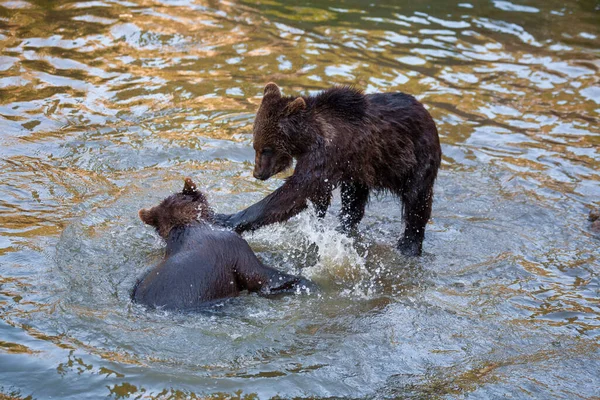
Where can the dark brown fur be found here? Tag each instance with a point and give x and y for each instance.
(202, 262)
(180, 209)
(341, 137)
(595, 218)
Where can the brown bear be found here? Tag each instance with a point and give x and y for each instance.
(595, 218)
(342, 137)
(202, 262)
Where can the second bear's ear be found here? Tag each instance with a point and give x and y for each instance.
(295, 106)
(272, 88)
(189, 186)
(147, 216)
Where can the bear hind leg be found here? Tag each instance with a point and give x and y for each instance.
(417, 210)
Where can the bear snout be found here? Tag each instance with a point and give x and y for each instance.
(261, 175)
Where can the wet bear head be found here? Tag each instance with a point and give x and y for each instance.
(276, 127)
(180, 209)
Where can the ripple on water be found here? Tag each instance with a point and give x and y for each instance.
(411, 324)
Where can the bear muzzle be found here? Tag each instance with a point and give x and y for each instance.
(261, 175)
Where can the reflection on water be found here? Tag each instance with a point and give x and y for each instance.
(104, 105)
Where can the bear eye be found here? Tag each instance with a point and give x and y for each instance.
(267, 151)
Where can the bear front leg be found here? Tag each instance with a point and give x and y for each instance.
(354, 200)
(417, 210)
(285, 202)
(321, 200)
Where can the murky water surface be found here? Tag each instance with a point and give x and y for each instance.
(105, 105)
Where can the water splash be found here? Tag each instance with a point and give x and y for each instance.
(315, 248)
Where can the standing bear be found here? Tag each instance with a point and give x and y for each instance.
(342, 137)
(202, 262)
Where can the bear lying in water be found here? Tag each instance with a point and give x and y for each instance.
(203, 263)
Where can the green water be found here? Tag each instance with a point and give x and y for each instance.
(106, 105)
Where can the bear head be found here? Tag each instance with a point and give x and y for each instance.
(275, 131)
(180, 209)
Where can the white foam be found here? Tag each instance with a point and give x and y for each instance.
(337, 259)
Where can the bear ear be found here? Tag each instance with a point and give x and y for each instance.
(295, 106)
(189, 187)
(272, 88)
(147, 216)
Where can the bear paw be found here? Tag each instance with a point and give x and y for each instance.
(409, 248)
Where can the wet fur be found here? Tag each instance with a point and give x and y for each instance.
(177, 210)
(202, 262)
(344, 138)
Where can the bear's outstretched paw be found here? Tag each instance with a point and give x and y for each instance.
(223, 220)
(409, 248)
(292, 285)
(305, 286)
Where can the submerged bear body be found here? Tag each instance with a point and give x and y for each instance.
(344, 138)
(202, 263)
